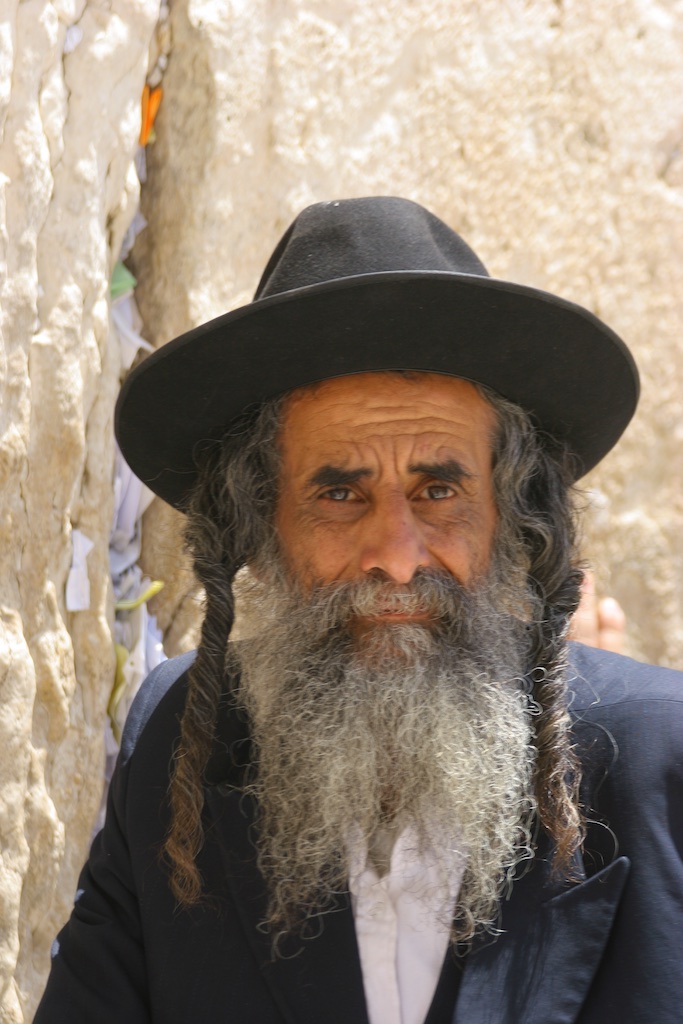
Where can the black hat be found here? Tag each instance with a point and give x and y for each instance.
(376, 284)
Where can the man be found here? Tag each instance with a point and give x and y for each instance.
(400, 797)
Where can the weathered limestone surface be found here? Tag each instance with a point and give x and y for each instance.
(549, 133)
(69, 120)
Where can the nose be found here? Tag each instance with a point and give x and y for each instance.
(392, 541)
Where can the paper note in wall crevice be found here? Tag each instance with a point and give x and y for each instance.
(78, 584)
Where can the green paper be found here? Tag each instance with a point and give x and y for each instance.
(122, 281)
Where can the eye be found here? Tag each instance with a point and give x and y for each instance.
(437, 492)
(337, 494)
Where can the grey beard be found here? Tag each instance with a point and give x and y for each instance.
(393, 725)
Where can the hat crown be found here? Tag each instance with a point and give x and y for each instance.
(351, 237)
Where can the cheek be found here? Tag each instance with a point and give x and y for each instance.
(309, 553)
(487, 537)
(318, 557)
(465, 548)
(285, 527)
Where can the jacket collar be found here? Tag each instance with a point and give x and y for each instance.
(539, 970)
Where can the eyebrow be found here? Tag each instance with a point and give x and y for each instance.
(450, 471)
(335, 476)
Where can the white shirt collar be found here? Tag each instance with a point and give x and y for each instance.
(403, 922)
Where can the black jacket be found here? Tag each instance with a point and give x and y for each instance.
(607, 950)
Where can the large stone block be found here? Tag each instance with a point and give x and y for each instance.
(71, 74)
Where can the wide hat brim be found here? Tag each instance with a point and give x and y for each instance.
(570, 371)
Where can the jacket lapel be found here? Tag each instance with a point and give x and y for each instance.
(314, 979)
(540, 969)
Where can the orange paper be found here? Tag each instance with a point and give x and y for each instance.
(151, 98)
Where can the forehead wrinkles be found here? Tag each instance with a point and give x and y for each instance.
(379, 453)
(382, 449)
(385, 423)
(404, 415)
(403, 402)
(389, 423)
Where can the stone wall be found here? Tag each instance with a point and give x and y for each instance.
(548, 133)
(71, 75)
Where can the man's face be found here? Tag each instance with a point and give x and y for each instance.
(386, 473)
(380, 695)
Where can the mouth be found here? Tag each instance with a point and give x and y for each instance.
(391, 617)
(398, 606)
